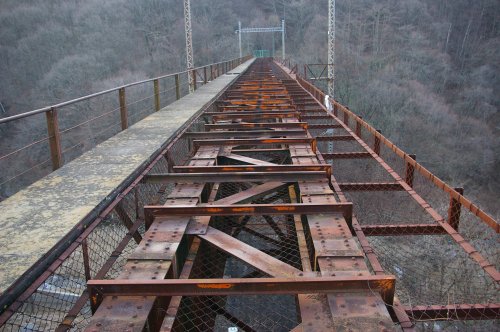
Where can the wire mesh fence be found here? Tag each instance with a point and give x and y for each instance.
(80, 125)
(401, 211)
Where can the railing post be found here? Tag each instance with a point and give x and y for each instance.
(86, 260)
(410, 171)
(193, 72)
(346, 118)
(376, 143)
(54, 138)
(358, 127)
(305, 72)
(335, 110)
(454, 210)
(123, 108)
(157, 94)
(211, 72)
(177, 87)
(205, 75)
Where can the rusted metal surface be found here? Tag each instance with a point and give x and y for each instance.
(250, 228)
(244, 286)
(466, 311)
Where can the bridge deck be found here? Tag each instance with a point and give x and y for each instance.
(266, 212)
(49, 209)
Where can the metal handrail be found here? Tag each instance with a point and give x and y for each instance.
(100, 93)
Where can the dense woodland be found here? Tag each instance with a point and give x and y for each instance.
(424, 71)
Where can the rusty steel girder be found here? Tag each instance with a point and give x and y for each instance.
(252, 223)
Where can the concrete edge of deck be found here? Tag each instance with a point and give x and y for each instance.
(53, 211)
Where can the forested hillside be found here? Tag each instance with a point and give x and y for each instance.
(424, 71)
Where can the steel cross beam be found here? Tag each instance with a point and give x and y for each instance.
(241, 286)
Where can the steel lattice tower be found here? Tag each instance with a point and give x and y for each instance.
(331, 47)
(189, 43)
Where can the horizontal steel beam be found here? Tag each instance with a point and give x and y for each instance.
(402, 229)
(239, 111)
(454, 312)
(255, 101)
(371, 186)
(244, 125)
(246, 134)
(273, 107)
(324, 126)
(264, 141)
(251, 30)
(255, 168)
(224, 177)
(316, 117)
(256, 115)
(347, 155)
(152, 211)
(243, 286)
(334, 138)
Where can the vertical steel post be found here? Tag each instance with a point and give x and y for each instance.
(410, 171)
(274, 43)
(376, 143)
(358, 127)
(305, 72)
(283, 39)
(211, 72)
(177, 87)
(54, 138)
(157, 94)
(123, 108)
(86, 261)
(455, 210)
(205, 75)
(193, 73)
(239, 38)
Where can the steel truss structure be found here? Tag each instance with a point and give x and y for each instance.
(189, 45)
(261, 30)
(249, 220)
(331, 48)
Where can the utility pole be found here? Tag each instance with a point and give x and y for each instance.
(189, 44)
(331, 47)
(283, 38)
(239, 38)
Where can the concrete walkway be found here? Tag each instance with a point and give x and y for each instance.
(35, 219)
